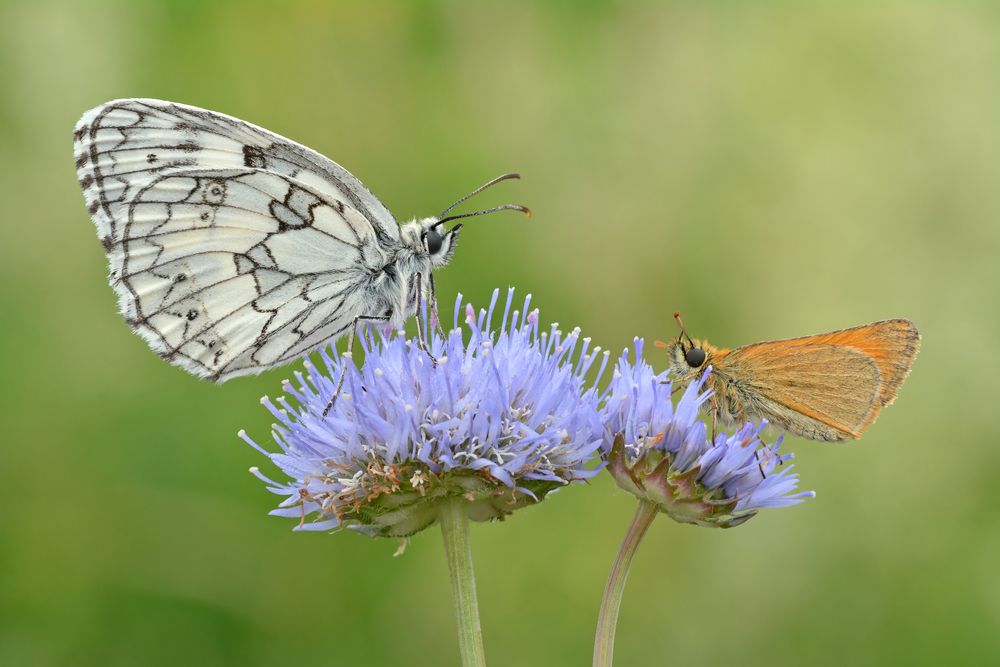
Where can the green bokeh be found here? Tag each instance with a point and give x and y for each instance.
(770, 169)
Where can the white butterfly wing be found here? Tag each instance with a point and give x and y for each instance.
(122, 144)
(227, 269)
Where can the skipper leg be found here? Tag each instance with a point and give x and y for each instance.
(350, 348)
(714, 407)
(756, 452)
(760, 463)
(742, 418)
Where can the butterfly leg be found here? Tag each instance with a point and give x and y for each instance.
(421, 341)
(435, 317)
(350, 348)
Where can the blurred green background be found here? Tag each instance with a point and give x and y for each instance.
(770, 169)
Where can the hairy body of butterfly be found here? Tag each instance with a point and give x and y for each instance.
(234, 250)
(827, 387)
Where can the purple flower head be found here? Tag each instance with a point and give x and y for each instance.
(661, 452)
(503, 418)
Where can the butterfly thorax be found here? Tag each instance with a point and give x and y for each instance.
(733, 400)
(421, 250)
(728, 400)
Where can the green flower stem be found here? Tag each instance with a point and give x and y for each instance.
(604, 640)
(458, 550)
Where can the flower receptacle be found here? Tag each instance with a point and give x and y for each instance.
(676, 494)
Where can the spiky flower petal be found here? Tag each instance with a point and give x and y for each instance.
(661, 452)
(501, 419)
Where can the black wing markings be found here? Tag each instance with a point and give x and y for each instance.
(98, 176)
(228, 128)
(265, 335)
(314, 161)
(200, 177)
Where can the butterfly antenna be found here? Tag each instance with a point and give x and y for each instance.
(484, 186)
(503, 207)
(680, 323)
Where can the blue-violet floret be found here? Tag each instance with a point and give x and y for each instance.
(499, 417)
(661, 452)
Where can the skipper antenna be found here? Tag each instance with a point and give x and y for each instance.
(683, 334)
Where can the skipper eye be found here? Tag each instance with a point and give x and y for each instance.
(695, 357)
(435, 240)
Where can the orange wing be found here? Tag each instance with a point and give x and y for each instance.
(829, 386)
(891, 343)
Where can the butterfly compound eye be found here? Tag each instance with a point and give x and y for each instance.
(434, 240)
(695, 357)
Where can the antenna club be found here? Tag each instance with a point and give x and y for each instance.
(680, 324)
(484, 186)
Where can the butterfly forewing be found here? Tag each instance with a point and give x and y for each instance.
(120, 145)
(231, 249)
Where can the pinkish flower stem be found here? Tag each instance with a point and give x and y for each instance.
(607, 620)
